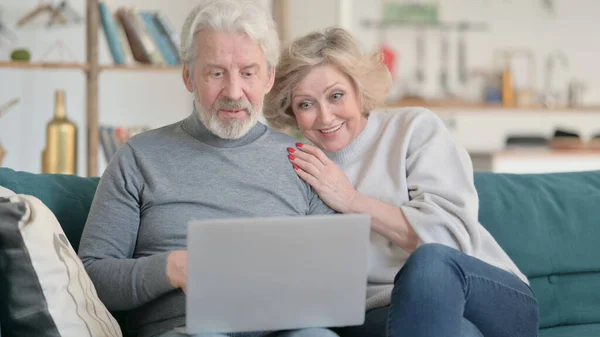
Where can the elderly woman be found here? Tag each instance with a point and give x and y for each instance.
(434, 269)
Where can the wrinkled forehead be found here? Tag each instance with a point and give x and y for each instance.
(228, 47)
(320, 78)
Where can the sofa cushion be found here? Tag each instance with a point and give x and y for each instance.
(45, 290)
(549, 225)
(587, 330)
(69, 197)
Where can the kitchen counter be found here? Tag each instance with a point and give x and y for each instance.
(466, 107)
(538, 160)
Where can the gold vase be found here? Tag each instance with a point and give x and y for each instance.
(60, 153)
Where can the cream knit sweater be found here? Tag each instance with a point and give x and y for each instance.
(406, 157)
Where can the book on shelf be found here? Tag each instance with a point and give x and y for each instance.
(166, 29)
(113, 137)
(169, 56)
(145, 37)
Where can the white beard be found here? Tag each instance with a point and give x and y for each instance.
(232, 128)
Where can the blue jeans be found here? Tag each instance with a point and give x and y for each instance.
(441, 292)
(314, 332)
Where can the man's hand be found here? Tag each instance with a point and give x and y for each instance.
(177, 269)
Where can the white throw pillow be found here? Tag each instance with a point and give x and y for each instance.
(5, 192)
(45, 290)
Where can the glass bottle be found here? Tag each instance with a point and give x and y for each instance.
(60, 153)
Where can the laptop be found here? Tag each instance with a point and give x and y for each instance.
(279, 273)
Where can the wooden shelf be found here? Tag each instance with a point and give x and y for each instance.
(139, 67)
(82, 66)
(43, 65)
(459, 26)
(539, 152)
(460, 106)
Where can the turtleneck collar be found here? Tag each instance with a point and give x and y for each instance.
(358, 147)
(198, 130)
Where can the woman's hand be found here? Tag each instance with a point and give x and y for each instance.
(328, 180)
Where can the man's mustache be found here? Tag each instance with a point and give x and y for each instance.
(232, 104)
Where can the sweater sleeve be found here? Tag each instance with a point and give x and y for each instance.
(443, 203)
(109, 239)
(316, 205)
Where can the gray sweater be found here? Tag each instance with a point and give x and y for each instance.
(159, 181)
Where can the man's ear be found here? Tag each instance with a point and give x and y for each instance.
(187, 78)
(271, 80)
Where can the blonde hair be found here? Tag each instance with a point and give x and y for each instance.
(334, 46)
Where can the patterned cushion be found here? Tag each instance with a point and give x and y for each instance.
(44, 288)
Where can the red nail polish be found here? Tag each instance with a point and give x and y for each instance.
(291, 157)
(299, 144)
(296, 167)
(291, 150)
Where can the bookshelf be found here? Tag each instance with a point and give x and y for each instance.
(140, 67)
(92, 70)
(93, 25)
(41, 65)
(92, 29)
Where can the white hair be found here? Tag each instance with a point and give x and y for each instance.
(245, 16)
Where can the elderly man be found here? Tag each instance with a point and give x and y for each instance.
(218, 162)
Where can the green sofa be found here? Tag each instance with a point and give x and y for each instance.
(549, 224)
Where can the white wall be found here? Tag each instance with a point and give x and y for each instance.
(308, 15)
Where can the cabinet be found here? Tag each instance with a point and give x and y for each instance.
(535, 161)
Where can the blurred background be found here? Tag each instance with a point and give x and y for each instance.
(516, 82)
